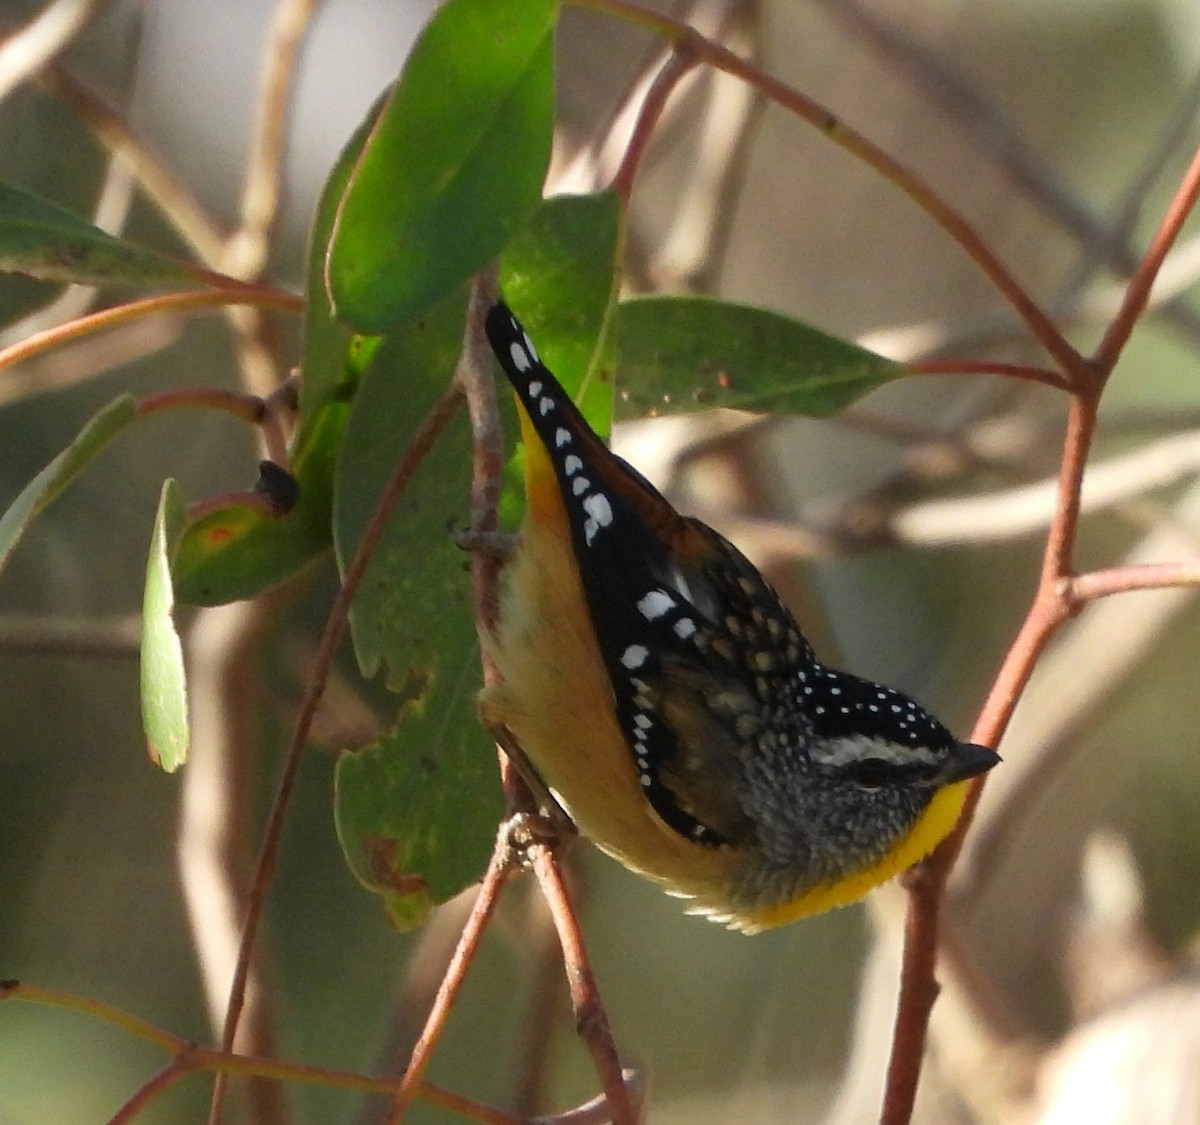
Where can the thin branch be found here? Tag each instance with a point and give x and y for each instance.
(985, 124)
(1023, 371)
(245, 252)
(164, 189)
(1137, 295)
(247, 407)
(188, 1061)
(927, 882)
(678, 63)
(1130, 579)
(48, 34)
(952, 221)
(590, 1017)
(595, 163)
(192, 301)
(1084, 668)
(339, 614)
(408, 1087)
(187, 1058)
(64, 636)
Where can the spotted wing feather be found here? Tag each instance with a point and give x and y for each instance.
(680, 616)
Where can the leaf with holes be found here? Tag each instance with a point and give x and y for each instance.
(413, 616)
(164, 687)
(41, 240)
(454, 165)
(55, 477)
(677, 354)
(417, 810)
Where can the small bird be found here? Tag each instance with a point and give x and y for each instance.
(655, 685)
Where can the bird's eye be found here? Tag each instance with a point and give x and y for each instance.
(871, 773)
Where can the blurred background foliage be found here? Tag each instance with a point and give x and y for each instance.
(1059, 127)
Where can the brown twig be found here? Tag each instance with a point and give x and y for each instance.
(1053, 604)
(590, 1018)
(1138, 292)
(187, 1058)
(245, 251)
(1024, 371)
(926, 884)
(119, 637)
(192, 301)
(1129, 579)
(266, 413)
(428, 433)
(985, 124)
(408, 1087)
(952, 221)
(48, 34)
(676, 66)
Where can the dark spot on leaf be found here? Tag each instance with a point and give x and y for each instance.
(382, 854)
(215, 536)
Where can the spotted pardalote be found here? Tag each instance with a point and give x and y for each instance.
(655, 685)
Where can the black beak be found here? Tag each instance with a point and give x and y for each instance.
(968, 759)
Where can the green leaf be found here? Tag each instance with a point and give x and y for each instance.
(332, 362)
(559, 275)
(413, 616)
(41, 240)
(454, 165)
(164, 688)
(417, 810)
(239, 551)
(55, 477)
(678, 354)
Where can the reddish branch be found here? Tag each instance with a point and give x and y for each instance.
(949, 218)
(590, 1017)
(231, 293)
(456, 973)
(1060, 594)
(423, 441)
